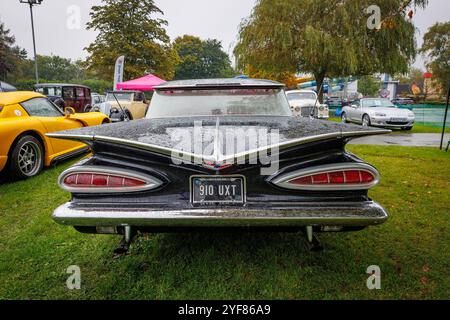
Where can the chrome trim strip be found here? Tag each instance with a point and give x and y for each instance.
(282, 180)
(217, 157)
(152, 182)
(358, 214)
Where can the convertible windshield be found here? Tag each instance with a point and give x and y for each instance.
(121, 96)
(224, 102)
(375, 103)
(301, 96)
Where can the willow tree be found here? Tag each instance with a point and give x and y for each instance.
(328, 38)
(132, 28)
(436, 44)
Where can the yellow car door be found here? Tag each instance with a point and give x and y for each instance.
(53, 120)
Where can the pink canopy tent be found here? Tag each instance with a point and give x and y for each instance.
(146, 83)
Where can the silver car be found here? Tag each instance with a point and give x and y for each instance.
(378, 112)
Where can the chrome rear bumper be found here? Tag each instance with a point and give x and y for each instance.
(345, 214)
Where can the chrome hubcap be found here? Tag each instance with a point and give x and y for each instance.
(365, 121)
(29, 158)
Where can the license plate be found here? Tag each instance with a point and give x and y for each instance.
(399, 119)
(217, 190)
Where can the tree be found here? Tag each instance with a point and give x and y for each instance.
(414, 75)
(327, 38)
(437, 46)
(369, 85)
(10, 54)
(53, 68)
(129, 28)
(201, 59)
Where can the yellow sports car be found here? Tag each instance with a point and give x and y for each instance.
(25, 118)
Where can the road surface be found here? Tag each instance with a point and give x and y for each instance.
(407, 140)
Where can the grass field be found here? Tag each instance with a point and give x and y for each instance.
(418, 128)
(412, 248)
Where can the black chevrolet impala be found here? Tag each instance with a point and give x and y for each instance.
(219, 154)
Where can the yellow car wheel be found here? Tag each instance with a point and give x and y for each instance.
(27, 158)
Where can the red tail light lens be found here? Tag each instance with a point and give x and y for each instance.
(333, 177)
(101, 179)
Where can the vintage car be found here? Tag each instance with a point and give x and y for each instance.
(25, 118)
(124, 105)
(97, 99)
(65, 95)
(221, 154)
(304, 103)
(378, 112)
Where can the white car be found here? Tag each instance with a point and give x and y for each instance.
(378, 112)
(304, 103)
(97, 99)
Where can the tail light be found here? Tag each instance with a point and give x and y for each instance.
(90, 179)
(345, 176)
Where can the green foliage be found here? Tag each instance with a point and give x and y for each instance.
(130, 28)
(99, 86)
(201, 59)
(52, 68)
(414, 75)
(10, 54)
(327, 38)
(437, 46)
(369, 85)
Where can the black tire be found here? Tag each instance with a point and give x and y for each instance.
(367, 118)
(88, 108)
(407, 128)
(27, 158)
(344, 118)
(129, 116)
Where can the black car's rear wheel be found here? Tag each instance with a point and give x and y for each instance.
(27, 158)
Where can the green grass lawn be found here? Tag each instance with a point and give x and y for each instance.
(418, 128)
(412, 248)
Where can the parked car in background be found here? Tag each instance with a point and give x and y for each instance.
(6, 87)
(65, 95)
(123, 105)
(97, 99)
(25, 118)
(378, 112)
(138, 166)
(403, 101)
(304, 103)
(333, 102)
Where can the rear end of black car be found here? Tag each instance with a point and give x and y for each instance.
(132, 183)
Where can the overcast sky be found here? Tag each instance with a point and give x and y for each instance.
(217, 19)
